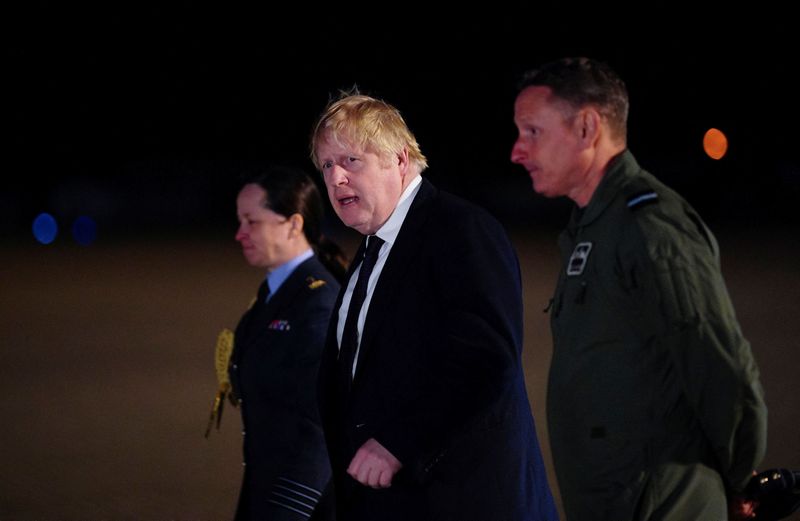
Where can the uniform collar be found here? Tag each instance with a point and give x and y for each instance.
(620, 170)
(278, 276)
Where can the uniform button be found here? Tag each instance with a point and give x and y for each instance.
(235, 366)
(244, 464)
(243, 433)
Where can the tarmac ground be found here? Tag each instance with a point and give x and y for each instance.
(108, 373)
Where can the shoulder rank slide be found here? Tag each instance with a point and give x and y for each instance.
(641, 199)
(314, 283)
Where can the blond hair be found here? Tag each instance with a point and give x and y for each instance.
(368, 123)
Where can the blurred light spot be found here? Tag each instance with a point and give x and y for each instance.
(84, 230)
(45, 228)
(715, 143)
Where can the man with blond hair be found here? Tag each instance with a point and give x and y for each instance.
(421, 385)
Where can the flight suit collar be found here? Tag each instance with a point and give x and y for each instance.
(619, 172)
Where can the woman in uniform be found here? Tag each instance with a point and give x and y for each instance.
(278, 344)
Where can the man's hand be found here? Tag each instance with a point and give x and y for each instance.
(373, 465)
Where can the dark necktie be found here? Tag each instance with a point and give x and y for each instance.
(263, 292)
(347, 351)
(256, 312)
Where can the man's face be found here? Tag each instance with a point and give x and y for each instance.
(363, 187)
(548, 143)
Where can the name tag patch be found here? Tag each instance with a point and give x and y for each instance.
(577, 261)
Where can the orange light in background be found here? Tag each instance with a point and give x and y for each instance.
(715, 143)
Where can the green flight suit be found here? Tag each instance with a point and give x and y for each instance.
(654, 405)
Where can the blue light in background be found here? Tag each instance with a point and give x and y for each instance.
(84, 230)
(45, 228)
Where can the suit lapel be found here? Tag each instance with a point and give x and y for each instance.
(401, 258)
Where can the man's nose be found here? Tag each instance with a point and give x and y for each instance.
(518, 154)
(338, 175)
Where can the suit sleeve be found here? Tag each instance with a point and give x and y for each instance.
(476, 338)
(713, 359)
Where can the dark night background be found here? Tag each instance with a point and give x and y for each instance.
(139, 116)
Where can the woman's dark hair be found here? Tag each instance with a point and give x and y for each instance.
(289, 191)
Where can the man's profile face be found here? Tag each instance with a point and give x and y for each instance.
(547, 143)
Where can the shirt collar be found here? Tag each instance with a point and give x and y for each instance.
(391, 228)
(279, 275)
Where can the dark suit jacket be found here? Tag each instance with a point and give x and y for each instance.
(439, 381)
(277, 350)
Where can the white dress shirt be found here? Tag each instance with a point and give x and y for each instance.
(388, 232)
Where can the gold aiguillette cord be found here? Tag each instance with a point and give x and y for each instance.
(222, 356)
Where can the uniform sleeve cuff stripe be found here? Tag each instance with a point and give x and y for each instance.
(287, 489)
(304, 514)
(304, 487)
(287, 498)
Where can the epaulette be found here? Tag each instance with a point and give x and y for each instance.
(315, 283)
(641, 199)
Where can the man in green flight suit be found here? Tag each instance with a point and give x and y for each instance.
(654, 405)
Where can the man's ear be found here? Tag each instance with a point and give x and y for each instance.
(402, 160)
(588, 123)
